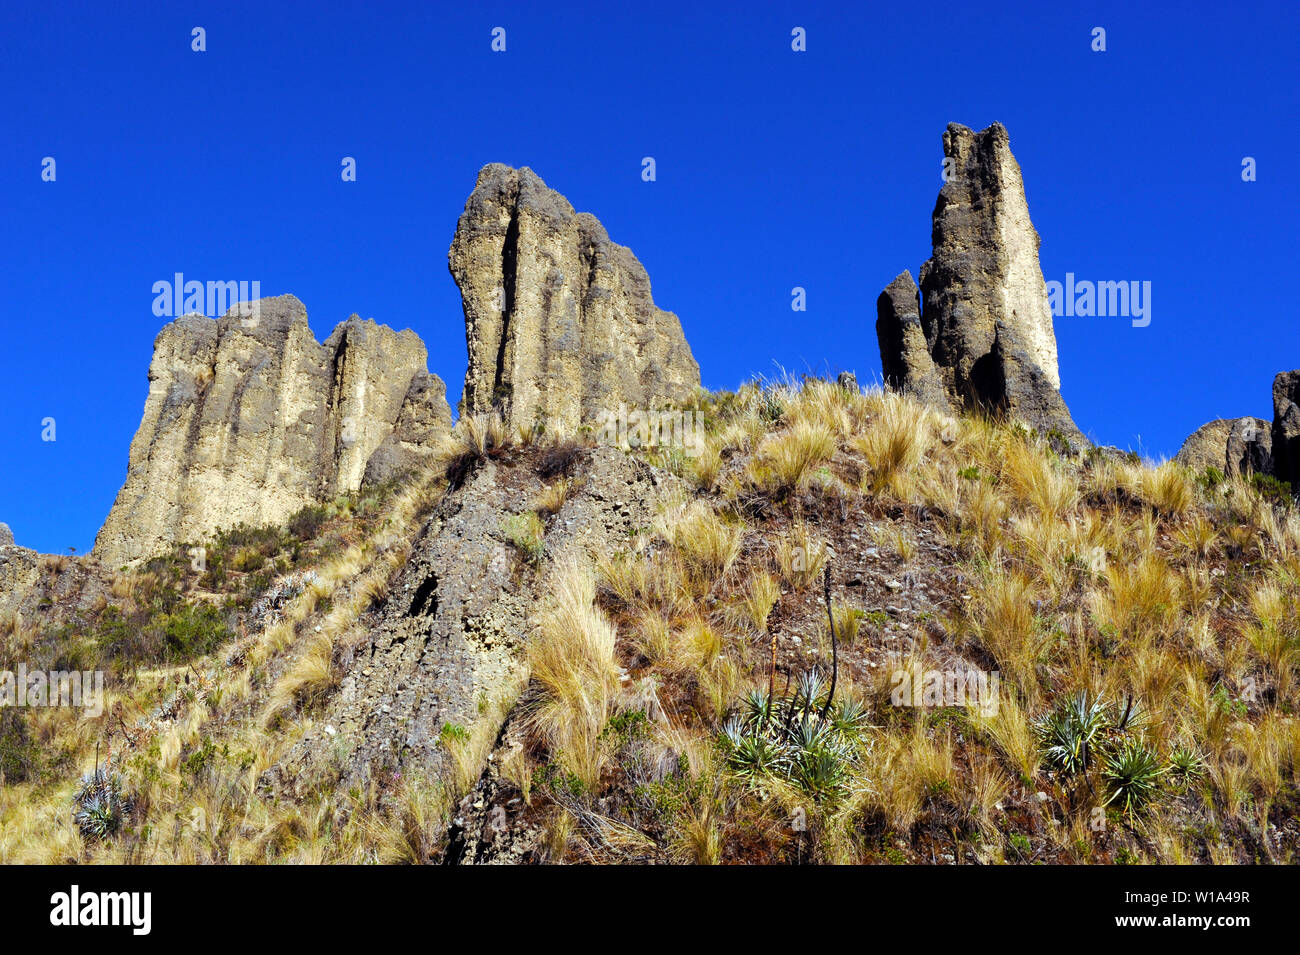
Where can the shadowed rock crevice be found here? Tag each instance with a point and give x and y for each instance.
(1286, 428)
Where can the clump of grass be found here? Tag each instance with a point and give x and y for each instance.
(1143, 598)
(786, 460)
(705, 466)
(527, 533)
(848, 623)
(707, 544)
(571, 658)
(903, 774)
(895, 442)
(756, 603)
(308, 681)
(1005, 626)
(474, 439)
(552, 498)
(1168, 489)
(1037, 480)
(800, 556)
(1198, 535)
(1013, 734)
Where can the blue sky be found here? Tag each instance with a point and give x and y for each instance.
(775, 169)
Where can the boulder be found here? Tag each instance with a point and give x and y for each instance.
(904, 352)
(1231, 445)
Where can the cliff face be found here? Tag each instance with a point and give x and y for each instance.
(987, 339)
(559, 320)
(249, 419)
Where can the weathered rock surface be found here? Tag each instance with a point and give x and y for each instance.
(1232, 445)
(424, 416)
(46, 589)
(249, 419)
(984, 316)
(904, 352)
(559, 320)
(1286, 427)
(447, 644)
(6, 535)
(18, 575)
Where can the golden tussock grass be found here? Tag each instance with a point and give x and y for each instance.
(571, 657)
(894, 443)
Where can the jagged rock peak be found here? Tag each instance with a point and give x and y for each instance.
(249, 419)
(559, 321)
(986, 326)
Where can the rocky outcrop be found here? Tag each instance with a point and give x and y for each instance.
(1231, 445)
(904, 352)
(249, 419)
(559, 320)
(6, 536)
(1286, 428)
(424, 416)
(446, 645)
(984, 315)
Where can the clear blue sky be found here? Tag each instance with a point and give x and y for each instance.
(775, 169)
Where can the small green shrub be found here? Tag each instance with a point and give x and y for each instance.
(1132, 775)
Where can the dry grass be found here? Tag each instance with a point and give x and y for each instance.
(896, 440)
(786, 460)
(1168, 489)
(800, 556)
(550, 501)
(571, 657)
(1089, 571)
(707, 543)
(1006, 627)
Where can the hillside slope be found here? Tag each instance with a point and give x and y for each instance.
(555, 650)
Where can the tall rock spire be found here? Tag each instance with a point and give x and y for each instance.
(987, 339)
(559, 320)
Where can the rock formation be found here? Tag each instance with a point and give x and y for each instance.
(982, 336)
(249, 419)
(449, 636)
(559, 320)
(904, 352)
(1231, 445)
(1286, 428)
